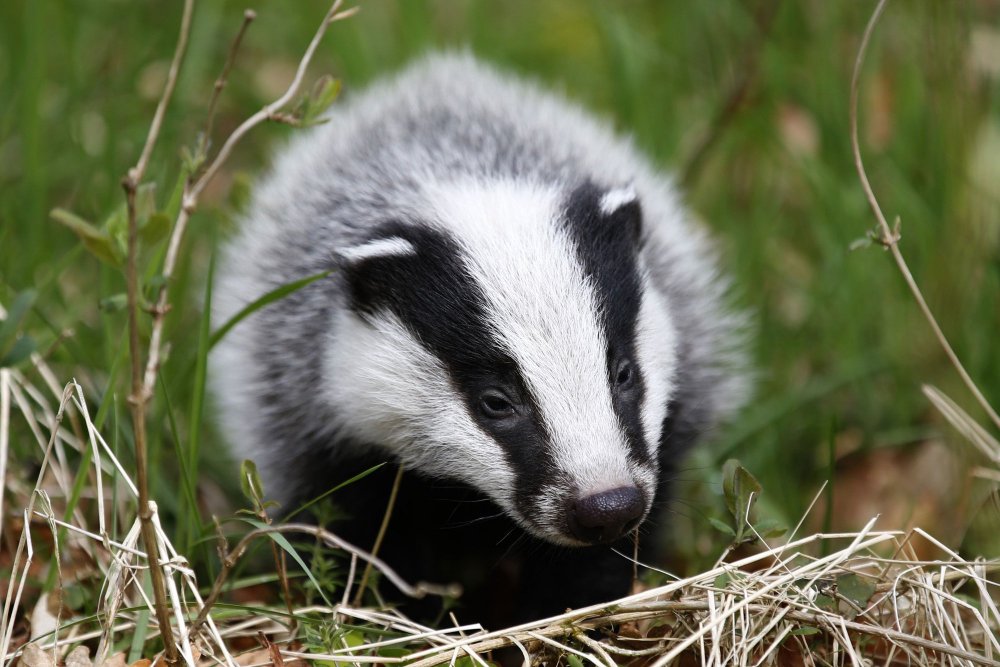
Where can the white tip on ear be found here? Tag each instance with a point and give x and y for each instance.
(615, 199)
(388, 247)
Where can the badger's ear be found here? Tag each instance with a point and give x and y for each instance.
(620, 206)
(380, 248)
(619, 200)
(372, 270)
(606, 216)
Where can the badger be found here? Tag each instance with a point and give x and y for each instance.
(519, 312)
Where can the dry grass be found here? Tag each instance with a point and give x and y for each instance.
(867, 601)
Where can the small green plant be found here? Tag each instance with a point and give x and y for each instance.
(742, 490)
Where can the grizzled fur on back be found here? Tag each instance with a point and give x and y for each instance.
(396, 194)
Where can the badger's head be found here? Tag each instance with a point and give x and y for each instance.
(510, 339)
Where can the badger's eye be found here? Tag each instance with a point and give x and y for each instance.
(625, 375)
(495, 405)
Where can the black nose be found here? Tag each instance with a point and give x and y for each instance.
(606, 516)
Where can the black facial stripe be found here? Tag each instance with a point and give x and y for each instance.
(607, 246)
(433, 294)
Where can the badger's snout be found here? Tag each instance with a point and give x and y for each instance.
(606, 516)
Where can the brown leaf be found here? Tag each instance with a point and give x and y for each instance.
(115, 660)
(33, 656)
(79, 657)
(253, 657)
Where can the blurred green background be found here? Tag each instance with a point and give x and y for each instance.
(746, 101)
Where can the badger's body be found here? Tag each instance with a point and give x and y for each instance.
(519, 310)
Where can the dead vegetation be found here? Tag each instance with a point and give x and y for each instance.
(868, 600)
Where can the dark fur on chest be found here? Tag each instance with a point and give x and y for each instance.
(444, 532)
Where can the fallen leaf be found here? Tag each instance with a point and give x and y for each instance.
(43, 620)
(79, 657)
(33, 656)
(253, 657)
(115, 660)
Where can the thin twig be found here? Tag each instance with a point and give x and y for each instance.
(189, 199)
(139, 397)
(137, 403)
(248, 17)
(381, 536)
(137, 172)
(270, 110)
(890, 236)
(143, 382)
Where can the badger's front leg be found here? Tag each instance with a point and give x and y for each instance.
(555, 579)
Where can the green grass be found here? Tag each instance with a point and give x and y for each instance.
(839, 343)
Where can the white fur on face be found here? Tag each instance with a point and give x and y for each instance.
(656, 348)
(541, 306)
(390, 390)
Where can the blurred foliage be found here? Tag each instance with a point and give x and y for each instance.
(747, 99)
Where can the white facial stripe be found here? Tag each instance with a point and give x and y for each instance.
(656, 340)
(542, 307)
(389, 247)
(393, 392)
(615, 199)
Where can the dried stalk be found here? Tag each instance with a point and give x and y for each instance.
(381, 535)
(143, 381)
(139, 398)
(889, 236)
(193, 189)
(248, 17)
(136, 173)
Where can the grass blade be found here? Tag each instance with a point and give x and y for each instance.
(310, 503)
(265, 300)
(283, 542)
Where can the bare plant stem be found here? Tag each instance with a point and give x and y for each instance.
(890, 237)
(139, 397)
(381, 535)
(143, 381)
(137, 403)
(248, 17)
(139, 170)
(192, 190)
